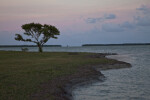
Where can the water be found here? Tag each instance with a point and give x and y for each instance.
(121, 84)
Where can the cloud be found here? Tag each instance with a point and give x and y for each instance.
(144, 18)
(144, 9)
(111, 27)
(109, 16)
(142, 21)
(128, 25)
(93, 20)
(100, 19)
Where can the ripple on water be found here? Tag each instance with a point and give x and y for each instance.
(122, 84)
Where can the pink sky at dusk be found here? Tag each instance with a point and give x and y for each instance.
(72, 16)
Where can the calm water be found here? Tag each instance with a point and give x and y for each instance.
(122, 84)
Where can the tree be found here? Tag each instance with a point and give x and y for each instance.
(38, 34)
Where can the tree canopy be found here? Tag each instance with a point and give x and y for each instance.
(38, 33)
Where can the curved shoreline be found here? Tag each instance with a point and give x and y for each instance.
(61, 87)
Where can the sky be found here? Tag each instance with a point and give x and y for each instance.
(79, 21)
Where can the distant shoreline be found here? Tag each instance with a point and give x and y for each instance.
(124, 44)
(29, 46)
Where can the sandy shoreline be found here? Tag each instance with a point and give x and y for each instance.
(61, 87)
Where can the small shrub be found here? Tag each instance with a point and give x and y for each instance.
(24, 49)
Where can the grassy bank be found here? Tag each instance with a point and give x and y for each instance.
(22, 73)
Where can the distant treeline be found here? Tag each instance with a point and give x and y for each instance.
(29, 46)
(124, 44)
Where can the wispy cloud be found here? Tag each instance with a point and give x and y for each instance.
(128, 25)
(144, 18)
(100, 19)
(144, 9)
(109, 16)
(140, 21)
(93, 20)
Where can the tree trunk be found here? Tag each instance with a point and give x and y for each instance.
(40, 47)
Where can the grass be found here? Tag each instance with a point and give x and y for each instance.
(21, 73)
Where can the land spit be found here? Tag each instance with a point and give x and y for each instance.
(61, 87)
